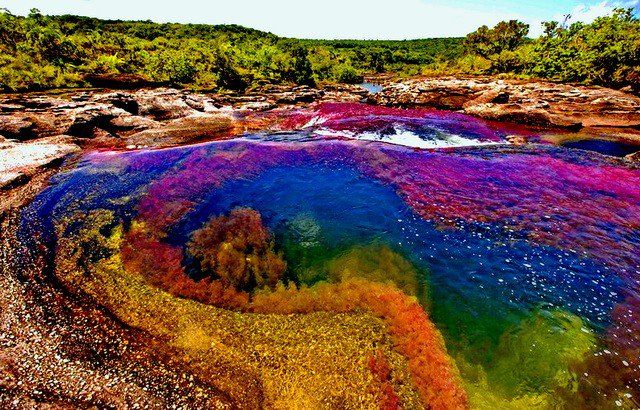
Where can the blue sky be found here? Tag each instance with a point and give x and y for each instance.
(361, 19)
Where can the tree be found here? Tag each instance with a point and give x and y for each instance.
(302, 71)
(505, 36)
(11, 33)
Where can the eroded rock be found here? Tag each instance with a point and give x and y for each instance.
(184, 131)
(20, 161)
(536, 103)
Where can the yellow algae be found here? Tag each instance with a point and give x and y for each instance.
(281, 361)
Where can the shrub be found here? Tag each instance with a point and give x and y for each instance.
(348, 75)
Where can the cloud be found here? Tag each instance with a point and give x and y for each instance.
(588, 13)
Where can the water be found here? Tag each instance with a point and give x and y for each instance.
(613, 148)
(373, 88)
(529, 256)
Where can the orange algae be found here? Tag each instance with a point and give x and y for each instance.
(413, 333)
(261, 360)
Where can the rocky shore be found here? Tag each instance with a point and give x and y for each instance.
(534, 103)
(38, 129)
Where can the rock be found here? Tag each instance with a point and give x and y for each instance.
(537, 103)
(124, 124)
(86, 119)
(185, 130)
(516, 139)
(635, 157)
(119, 81)
(257, 106)
(17, 126)
(20, 161)
(163, 104)
(124, 101)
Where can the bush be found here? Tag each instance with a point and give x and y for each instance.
(348, 75)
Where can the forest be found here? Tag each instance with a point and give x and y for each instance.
(42, 52)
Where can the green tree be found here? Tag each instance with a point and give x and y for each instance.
(505, 36)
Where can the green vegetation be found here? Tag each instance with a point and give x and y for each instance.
(39, 52)
(605, 52)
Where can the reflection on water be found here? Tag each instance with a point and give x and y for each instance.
(527, 259)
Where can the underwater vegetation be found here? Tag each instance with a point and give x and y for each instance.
(323, 270)
(237, 249)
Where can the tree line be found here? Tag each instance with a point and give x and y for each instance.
(41, 52)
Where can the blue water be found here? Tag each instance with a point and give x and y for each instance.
(612, 148)
(474, 271)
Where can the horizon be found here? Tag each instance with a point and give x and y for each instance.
(356, 20)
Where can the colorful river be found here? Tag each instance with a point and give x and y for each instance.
(527, 257)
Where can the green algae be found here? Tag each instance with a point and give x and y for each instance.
(532, 363)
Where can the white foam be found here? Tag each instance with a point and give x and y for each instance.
(317, 120)
(410, 139)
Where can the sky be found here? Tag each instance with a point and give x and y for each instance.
(336, 19)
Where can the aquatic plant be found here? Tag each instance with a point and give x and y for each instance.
(161, 265)
(304, 249)
(537, 355)
(238, 250)
(379, 366)
(503, 231)
(258, 360)
(415, 336)
(376, 263)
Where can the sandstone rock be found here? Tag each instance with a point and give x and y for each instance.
(125, 101)
(185, 130)
(20, 161)
(119, 81)
(17, 126)
(635, 157)
(516, 139)
(163, 104)
(538, 103)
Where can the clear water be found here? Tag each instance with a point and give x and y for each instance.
(373, 88)
(531, 255)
